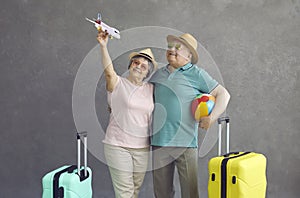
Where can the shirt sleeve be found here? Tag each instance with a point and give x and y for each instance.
(206, 82)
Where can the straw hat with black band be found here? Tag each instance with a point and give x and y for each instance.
(146, 53)
(189, 41)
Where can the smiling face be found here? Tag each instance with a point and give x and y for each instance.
(139, 68)
(178, 54)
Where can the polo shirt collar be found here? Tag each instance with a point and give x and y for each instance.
(183, 68)
(186, 67)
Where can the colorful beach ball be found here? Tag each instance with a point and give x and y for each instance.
(202, 105)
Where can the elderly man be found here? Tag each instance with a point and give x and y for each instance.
(175, 133)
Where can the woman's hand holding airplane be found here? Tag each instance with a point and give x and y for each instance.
(102, 38)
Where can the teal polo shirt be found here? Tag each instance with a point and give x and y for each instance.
(173, 124)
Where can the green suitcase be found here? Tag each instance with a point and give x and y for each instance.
(66, 181)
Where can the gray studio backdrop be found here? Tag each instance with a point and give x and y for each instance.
(255, 45)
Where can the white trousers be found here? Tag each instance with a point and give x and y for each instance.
(127, 167)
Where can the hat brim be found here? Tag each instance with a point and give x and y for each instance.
(193, 51)
(133, 54)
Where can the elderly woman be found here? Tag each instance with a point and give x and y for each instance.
(126, 143)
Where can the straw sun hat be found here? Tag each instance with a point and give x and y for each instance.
(147, 53)
(188, 40)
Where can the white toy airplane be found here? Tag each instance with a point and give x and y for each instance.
(100, 25)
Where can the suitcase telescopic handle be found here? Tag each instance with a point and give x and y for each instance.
(84, 135)
(220, 120)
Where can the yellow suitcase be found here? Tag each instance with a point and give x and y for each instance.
(236, 174)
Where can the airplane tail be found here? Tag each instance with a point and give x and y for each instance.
(99, 16)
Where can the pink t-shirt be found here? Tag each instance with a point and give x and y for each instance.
(130, 118)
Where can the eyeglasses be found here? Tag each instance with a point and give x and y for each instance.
(136, 62)
(176, 45)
